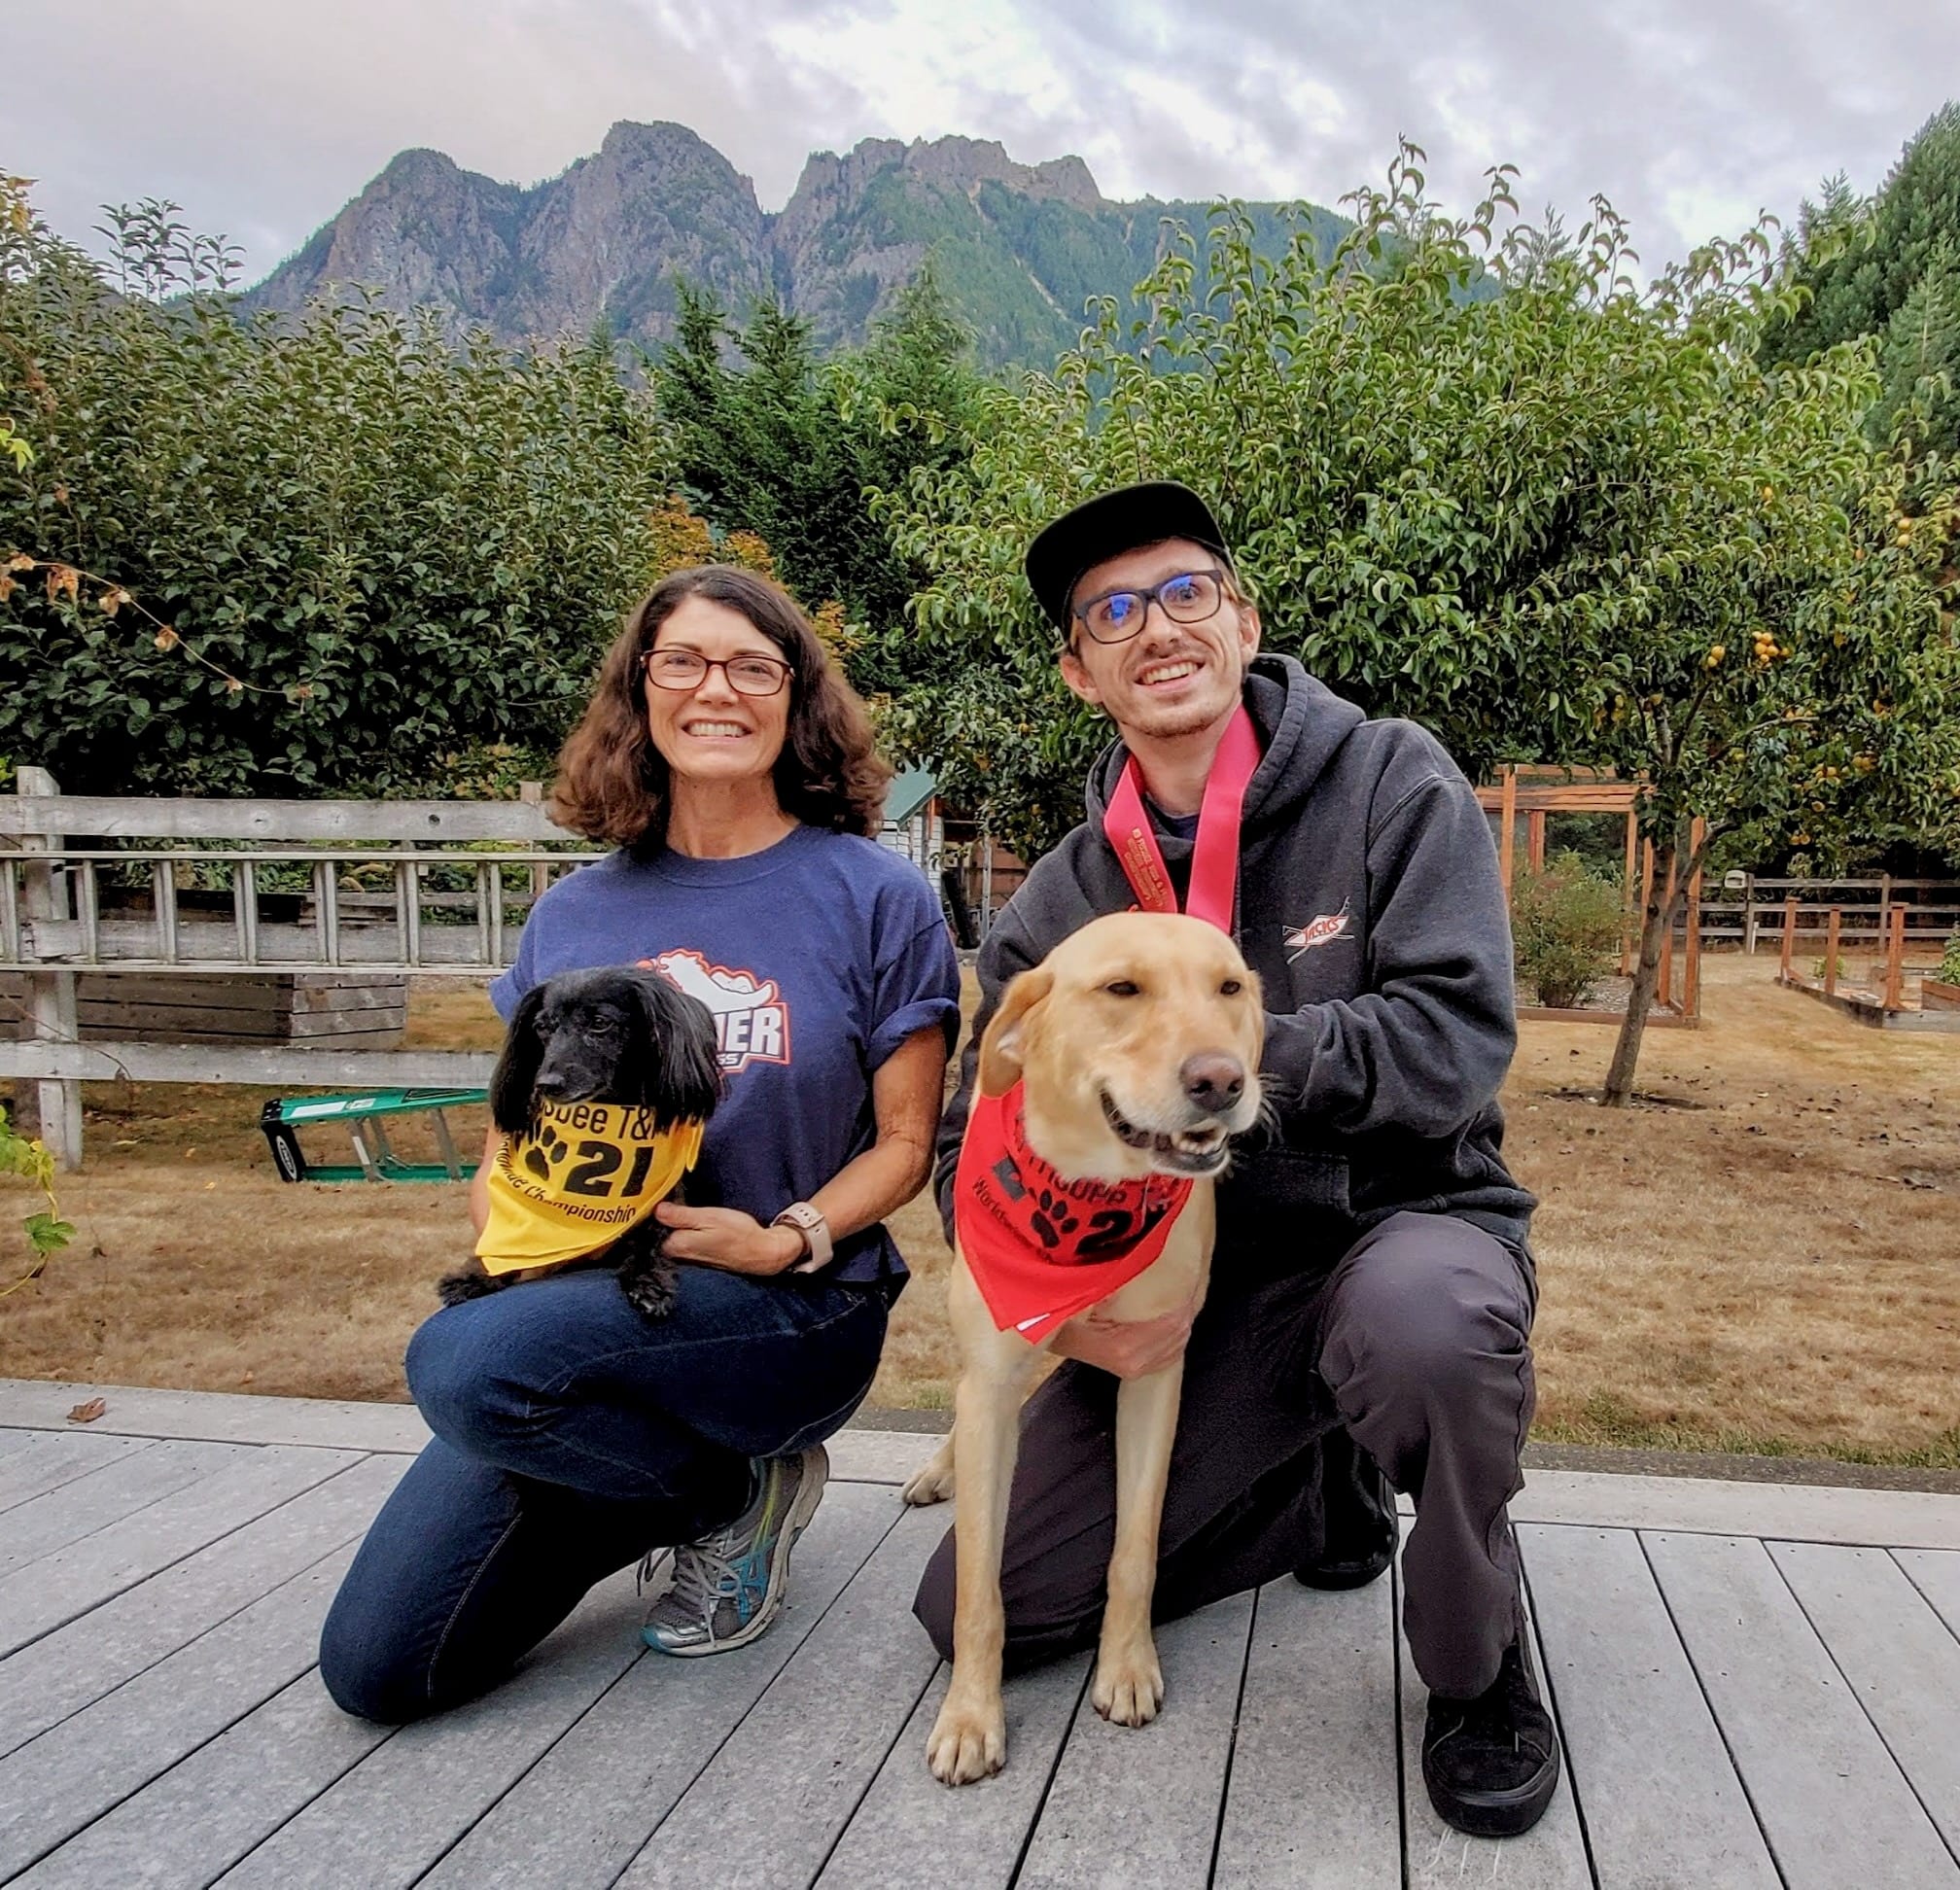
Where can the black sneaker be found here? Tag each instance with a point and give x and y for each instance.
(1491, 1763)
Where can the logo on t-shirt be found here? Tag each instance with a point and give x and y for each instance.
(752, 1022)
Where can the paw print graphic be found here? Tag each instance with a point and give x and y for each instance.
(544, 1154)
(1051, 1221)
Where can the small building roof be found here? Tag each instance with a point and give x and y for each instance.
(908, 794)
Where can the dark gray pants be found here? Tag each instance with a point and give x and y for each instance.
(1415, 1348)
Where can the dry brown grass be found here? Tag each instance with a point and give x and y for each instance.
(1777, 1268)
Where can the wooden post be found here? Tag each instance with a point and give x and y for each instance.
(51, 995)
(1666, 985)
(1507, 832)
(1646, 893)
(1691, 971)
(1629, 937)
(1789, 938)
(1831, 952)
(1534, 839)
(1895, 961)
(533, 793)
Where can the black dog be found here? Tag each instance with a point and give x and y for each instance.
(613, 1036)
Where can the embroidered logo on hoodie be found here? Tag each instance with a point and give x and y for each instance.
(1323, 930)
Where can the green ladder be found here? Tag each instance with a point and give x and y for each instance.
(364, 1114)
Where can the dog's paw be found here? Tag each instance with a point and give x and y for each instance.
(1128, 1686)
(453, 1289)
(651, 1294)
(968, 1741)
(932, 1482)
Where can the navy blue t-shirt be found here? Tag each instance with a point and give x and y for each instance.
(818, 956)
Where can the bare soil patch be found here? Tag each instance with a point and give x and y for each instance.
(1774, 1269)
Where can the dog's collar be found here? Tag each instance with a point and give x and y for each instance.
(1040, 1247)
(577, 1180)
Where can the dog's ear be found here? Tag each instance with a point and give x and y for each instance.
(517, 1067)
(1000, 1047)
(674, 1061)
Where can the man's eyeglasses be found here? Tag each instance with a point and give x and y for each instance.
(1189, 597)
(688, 669)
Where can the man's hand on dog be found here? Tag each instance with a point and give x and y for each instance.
(1127, 1348)
(727, 1238)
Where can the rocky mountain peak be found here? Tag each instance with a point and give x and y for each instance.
(1019, 247)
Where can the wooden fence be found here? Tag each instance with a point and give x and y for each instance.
(432, 889)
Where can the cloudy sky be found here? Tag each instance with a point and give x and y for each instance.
(262, 117)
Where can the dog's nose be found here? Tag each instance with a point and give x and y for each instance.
(1213, 1080)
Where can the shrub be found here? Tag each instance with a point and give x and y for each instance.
(1566, 923)
(1950, 962)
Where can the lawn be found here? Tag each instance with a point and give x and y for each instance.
(1768, 1261)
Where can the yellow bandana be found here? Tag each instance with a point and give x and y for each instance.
(578, 1179)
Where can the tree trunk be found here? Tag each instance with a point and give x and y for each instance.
(1679, 861)
(1654, 924)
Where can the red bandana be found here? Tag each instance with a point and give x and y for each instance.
(1214, 858)
(1040, 1248)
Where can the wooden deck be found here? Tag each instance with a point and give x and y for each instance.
(1756, 1684)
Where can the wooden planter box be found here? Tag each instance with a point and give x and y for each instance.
(327, 1011)
(1935, 996)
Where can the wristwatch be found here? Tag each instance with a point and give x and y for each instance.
(808, 1221)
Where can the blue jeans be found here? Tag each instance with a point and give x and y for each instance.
(572, 1436)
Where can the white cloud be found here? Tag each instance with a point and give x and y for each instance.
(263, 120)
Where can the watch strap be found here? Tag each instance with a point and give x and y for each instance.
(808, 1220)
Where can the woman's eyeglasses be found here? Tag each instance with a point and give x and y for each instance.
(688, 669)
(1190, 597)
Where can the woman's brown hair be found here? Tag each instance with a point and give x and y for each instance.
(612, 781)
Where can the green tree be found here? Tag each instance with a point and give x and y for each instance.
(389, 547)
(786, 445)
(1571, 521)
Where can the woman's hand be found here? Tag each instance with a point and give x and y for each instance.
(1127, 1348)
(727, 1238)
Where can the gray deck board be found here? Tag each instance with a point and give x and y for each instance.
(215, 1805)
(1901, 1660)
(1937, 1576)
(1312, 1804)
(1139, 1805)
(1552, 1856)
(1663, 1806)
(772, 1803)
(974, 1834)
(163, 1723)
(1829, 1798)
(44, 1460)
(62, 1672)
(391, 1816)
(106, 1496)
(578, 1817)
(59, 1587)
(56, 1784)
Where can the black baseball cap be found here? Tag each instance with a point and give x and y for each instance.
(1108, 525)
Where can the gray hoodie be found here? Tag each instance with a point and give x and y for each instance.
(1386, 1038)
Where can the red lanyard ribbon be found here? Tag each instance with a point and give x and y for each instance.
(1214, 859)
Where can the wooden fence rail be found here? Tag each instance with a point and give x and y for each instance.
(429, 888)
(232, 887)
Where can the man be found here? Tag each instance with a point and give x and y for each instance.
(1371, 1287)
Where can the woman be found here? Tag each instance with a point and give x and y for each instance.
(734, 771)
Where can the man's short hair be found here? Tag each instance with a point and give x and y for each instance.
(1109, 525)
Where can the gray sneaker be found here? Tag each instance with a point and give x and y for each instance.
(730, 1585)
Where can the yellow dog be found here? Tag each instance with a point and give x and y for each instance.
(1110, 1080)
